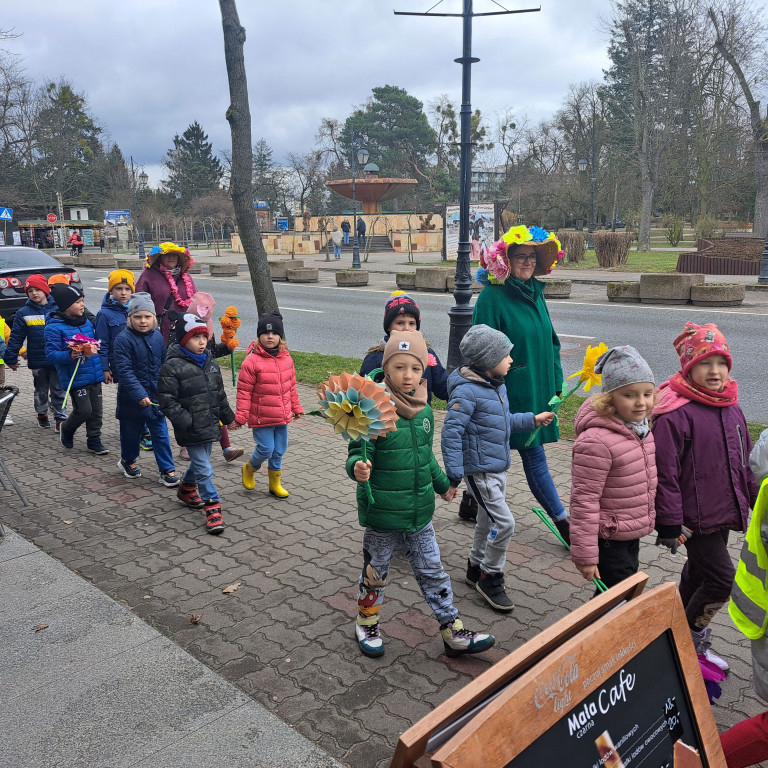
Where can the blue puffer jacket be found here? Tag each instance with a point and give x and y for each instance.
(58, 329)
(435, 375)
(137, 361)
(29, 324)
(110, 322)
(477, 425)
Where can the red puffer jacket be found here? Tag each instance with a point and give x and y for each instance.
(266, 389)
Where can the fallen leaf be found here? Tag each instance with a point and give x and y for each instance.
(40, 627)
(194, 619)
(231, 588)
(147, 597)
(67, 522)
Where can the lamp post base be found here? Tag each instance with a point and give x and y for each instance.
(459, 321)
(356, 253)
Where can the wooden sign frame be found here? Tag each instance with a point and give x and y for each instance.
(495, 718)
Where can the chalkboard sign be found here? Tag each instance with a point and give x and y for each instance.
(615, 684)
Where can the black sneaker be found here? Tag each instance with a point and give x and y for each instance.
(67, 438)
(94, 446)
(491, 587)
(59, 422)
(468, 508)
(564, 529)
(169, 479)
(129, 470)
(43, 421)
(473, 574)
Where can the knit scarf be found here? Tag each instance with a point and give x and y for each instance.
(169, 276)
(685, 387)
(640, 428)
(274, 352)
(407, 404)
(199, 359)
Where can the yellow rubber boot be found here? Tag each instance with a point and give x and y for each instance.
(249, 482)
(274, 484)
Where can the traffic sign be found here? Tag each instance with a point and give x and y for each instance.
(51, 217)
(6, 214)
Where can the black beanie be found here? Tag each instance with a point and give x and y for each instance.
(400, 303)
(65, 295)
(271, 321)
(187, 326)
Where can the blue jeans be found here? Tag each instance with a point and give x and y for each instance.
(540, 481)
(200, 471)
(337, 251)
(132, 428)
(47, 380)
(346, 238)
(271, 443)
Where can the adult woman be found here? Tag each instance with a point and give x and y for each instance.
(166, 279)
(512, 301)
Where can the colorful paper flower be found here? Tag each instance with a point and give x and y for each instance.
(517, 235)
(538, 234)
(230, 322)
(587, 374)
(481, 276)
(358, 408)
(78, 342)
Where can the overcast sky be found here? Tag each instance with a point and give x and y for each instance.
(151, 67)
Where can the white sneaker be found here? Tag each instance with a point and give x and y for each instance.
(703, 645)
(712, 657)
(369, 639)
(8, 421)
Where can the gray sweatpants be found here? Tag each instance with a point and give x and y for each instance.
(489, 550)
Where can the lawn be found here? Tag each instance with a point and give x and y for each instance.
(637, 261)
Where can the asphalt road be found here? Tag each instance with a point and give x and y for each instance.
(347, 321)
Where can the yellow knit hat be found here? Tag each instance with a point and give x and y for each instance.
(121, 276)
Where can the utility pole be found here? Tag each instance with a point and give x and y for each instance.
(460, 315)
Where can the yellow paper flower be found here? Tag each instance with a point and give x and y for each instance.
(587, 374)
(517, 235)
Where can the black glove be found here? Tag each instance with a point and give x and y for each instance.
(664, 539)
(665, 542)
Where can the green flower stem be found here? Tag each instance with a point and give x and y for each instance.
(69, 386)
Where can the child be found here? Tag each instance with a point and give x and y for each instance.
(613, 470)
(29, 326)
(68, 320)
(191, 394)
(705, 486)
(267, 401)
(404, 477)
(746, 743)
(475, 443)
(5, 334)
(138, 354)
(110, 320)
(402, 313)
(202, 305)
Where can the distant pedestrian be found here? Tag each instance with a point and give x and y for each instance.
(138, 353)
(76, 241)
(336, 238)
(613, 470)
(29, 325)
(404, 477)
(361, 231)
(191, 395)
(475, 443)
(268, 401)
(345, 228)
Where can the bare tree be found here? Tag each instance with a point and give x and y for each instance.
(241, 182)
(737, 39)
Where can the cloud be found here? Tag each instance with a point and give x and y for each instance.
(150, 68)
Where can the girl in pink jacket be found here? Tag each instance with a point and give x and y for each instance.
(613, 470)
(267, 401)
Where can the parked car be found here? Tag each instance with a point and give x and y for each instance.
(17, 263)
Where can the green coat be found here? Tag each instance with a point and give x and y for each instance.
(518, 309)
(404, 477)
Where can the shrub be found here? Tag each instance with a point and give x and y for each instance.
(706, 226)
(611, 248)
(673, 228)
(574, 244)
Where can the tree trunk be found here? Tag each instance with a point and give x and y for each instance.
(760, 226)
(241, 182)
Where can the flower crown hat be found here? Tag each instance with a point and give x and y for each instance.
(185, 257)
(494, 264)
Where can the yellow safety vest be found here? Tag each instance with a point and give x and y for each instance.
(2, 336)
(748, 605)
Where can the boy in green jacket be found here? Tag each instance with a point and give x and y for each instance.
(404, 477)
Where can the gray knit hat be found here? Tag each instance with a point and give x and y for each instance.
(484, 347)
(620, 366)
(141, 302)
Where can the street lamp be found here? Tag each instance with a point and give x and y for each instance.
(583, 167)
(142, 183)
(362, 158)
(763, 276)
(183, 223)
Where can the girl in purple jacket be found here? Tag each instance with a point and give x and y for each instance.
(705, 485)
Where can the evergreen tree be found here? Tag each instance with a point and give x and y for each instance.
(193, 170)
(267, 178)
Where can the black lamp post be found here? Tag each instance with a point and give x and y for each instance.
(763, 276)
(583, 167)
(183, 222)
(362, 157)
(142, 183)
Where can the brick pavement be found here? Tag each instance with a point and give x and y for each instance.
(285, 637)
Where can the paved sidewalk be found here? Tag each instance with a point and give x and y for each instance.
(284, 637)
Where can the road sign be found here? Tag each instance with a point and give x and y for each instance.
(51, 217)
(6, 214)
